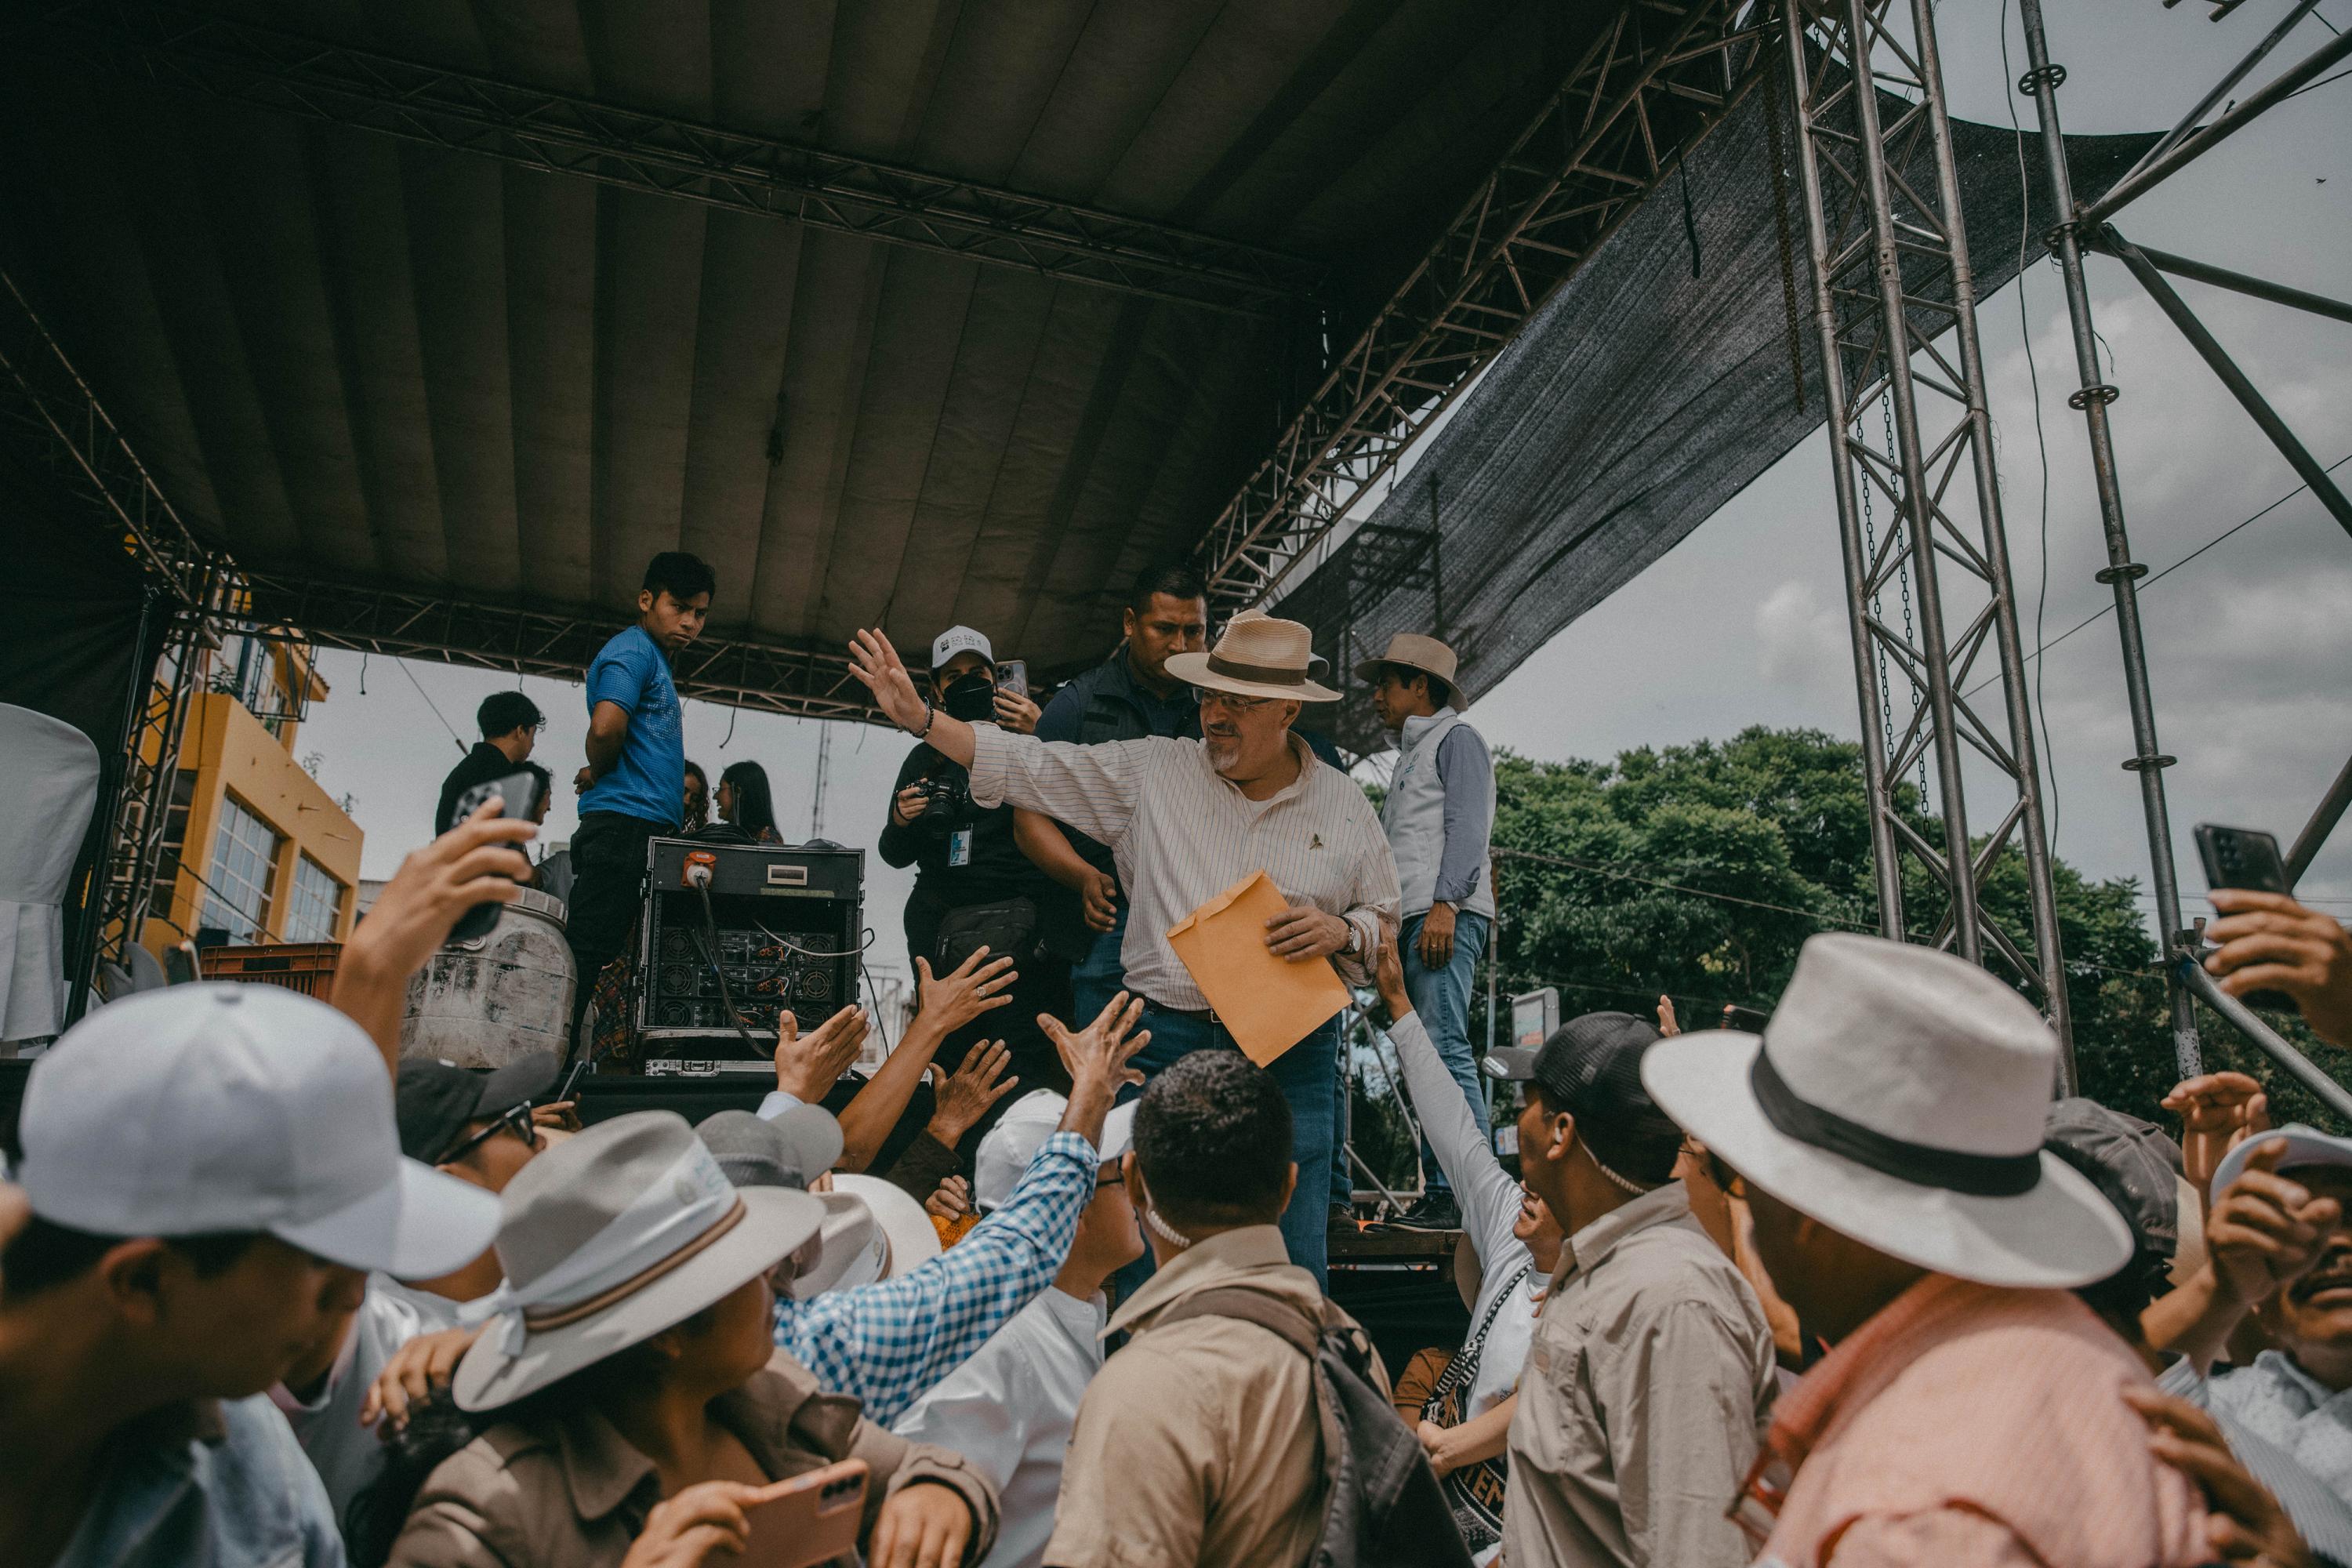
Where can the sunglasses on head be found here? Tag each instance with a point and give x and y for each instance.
(514, 1120)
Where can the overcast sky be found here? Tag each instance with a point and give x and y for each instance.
(1743, 624)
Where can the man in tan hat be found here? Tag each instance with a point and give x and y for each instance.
(1187, 819)
(1439, 811)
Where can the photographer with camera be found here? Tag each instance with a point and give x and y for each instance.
(973, 884)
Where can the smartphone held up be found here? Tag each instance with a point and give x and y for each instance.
(519, 795)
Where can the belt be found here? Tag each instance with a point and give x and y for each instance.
(1198, 1015)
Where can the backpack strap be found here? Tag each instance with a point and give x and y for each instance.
(1278, 1318)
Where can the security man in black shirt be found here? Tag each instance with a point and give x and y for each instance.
(511, 723)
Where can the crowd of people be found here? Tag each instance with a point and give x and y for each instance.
(1050, 1286)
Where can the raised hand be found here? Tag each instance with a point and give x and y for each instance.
(1097, 1058)
(968, 1092)
(1668, 1024)
(878, 668)
(1016, 712)
(2270, 942)
(947, 1002)
(2265, 1230)
(2218, 1111)
(807, 1068)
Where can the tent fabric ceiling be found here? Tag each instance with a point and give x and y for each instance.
(355, 358)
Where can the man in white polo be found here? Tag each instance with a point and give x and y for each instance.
(1438, 815)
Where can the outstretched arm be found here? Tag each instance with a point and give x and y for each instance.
(946, 1004)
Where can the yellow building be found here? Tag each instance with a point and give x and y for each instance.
(253, 846)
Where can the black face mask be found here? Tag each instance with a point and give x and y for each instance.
(970, 697)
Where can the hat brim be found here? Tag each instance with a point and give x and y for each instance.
(914, 1240)
(775, 1221)
(2305, 1146)
(1192, 668)
(527, 1077)
(1510, 1064)
(419, 1226)
(2057, 1235)
(1369, 672)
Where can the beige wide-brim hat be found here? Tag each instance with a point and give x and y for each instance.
(644, 1195)
(1897, 1097)
(1259, 656)
(1426, 655)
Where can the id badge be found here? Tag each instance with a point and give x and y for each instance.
(960, 847)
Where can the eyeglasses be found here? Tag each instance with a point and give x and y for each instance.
(1204, 696)
(515, 1121)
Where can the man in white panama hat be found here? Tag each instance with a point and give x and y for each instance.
(1886, 1132)
(1187, 819)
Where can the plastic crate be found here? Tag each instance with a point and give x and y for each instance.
(305, 966)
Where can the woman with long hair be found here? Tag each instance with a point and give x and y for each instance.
(626, 1401)
(695, 809)
(745, 802)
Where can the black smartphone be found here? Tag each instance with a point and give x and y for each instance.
(518, 796)
(2245, 857)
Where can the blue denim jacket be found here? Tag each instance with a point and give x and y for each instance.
(208, 1485)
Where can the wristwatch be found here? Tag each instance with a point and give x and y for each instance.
(1355, 938)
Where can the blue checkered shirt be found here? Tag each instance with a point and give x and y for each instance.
(886, 1344)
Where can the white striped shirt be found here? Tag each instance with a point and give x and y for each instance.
(1181, 833)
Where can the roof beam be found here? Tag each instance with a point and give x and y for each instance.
(1660, 75)
(805, 680)
(666, 156)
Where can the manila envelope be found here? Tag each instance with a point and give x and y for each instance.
(1268, 1004)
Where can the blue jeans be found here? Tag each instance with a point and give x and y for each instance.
(1100, 975)
(1308, 1076)
(1441, 997)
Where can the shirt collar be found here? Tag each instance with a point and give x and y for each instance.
(1307, 763)
(1590, 1247)
(1416, 725)
(2285, 1368)
(1246, 1250)
(775, 1413)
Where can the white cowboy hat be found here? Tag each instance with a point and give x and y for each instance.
(610, 1237)
(1897, 1097)
(873, 1231)
(1258, 656)
(1426, 655)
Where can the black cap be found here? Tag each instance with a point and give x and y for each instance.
(2133, 1164)
(1591, 1069)
(434, 1100)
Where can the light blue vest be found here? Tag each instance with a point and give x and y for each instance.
(1413, 817)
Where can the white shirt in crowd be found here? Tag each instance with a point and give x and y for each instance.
(348, 1456)
(1009, 1411)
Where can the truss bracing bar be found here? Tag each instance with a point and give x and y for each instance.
(2314, 836)
(805, 681)
(669, 156)
(2239, 282)
(1659, 76)
(1877, 231)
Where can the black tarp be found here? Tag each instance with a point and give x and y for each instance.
(1638, 401)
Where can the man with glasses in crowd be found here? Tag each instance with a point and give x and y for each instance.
(1187, 819)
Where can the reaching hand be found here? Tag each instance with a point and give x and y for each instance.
(2270, 942)
(473, 863)
(1096, 1056)
(1304, 931)
(951, 1200)
(1099, 895)
(925, 1525)
(419, 1372)
(1668, 1024)
(878, 668)
(968, 1092)
(807, 1069)
(1387, 979)
(2265, 1231)
(2245, 1524)
(1016, 712)
(2218, 1111)
(950, 1001)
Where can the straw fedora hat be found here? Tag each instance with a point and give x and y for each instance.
(872, 1232)
(610, 1237)
(1258, 656)
(1426, 655)
(1897, 1097)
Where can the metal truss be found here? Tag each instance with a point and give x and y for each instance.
(1882, 239)
(669, 156)
(48, 410)
(1661, 75)
(768, 677)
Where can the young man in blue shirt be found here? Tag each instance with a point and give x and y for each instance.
(634, 785)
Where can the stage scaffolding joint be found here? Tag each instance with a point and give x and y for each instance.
(2141, 764)
(2127, 571)
(2097, 392)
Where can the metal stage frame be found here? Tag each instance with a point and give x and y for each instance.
(2087, 228)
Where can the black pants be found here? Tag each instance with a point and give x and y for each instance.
(608, 884)
(1044, 988)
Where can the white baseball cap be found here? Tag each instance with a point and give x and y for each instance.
(961, 640)
(239, 1108)
(1006, 1153)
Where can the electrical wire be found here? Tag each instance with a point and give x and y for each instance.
(429, 702)
(711, 931)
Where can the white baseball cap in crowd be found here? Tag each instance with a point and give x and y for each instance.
(1006, 1154)
(239, 1108)
(961, 640)
(2305, 1146)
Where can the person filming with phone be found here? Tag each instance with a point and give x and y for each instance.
(975, 884)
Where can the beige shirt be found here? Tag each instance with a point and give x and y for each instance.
(1182, 835)
(1643, 1399)
(1198, 1443)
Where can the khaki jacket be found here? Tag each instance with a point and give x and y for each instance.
(1198, 1443)
(571, 1493)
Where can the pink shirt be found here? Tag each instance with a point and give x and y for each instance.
(1973, 1426)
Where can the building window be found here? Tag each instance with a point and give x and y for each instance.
(176, 835)
(317, 899)
(245, 865)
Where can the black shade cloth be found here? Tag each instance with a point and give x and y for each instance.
(1640, 399)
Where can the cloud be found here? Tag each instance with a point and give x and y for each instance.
(1799, 641)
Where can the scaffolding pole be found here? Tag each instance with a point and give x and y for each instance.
(2122, 573)
(1871, 219)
